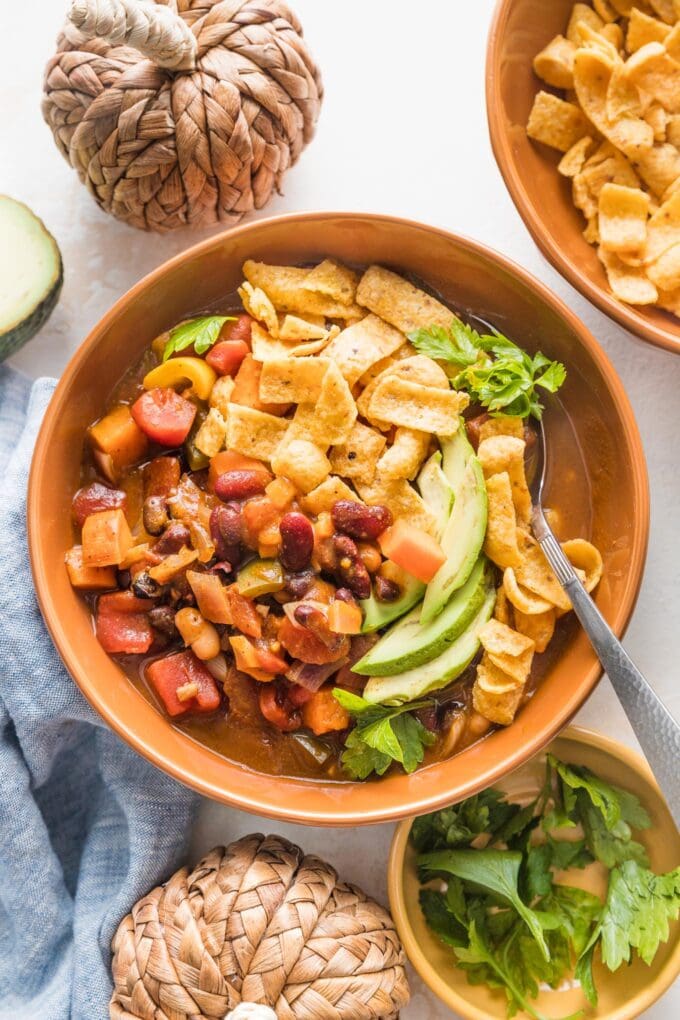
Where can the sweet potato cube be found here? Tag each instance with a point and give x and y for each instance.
(413, 549)
(323, 714)
(88, 578)
(106, 538)
(119, 439)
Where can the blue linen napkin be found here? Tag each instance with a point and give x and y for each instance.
(86, 825)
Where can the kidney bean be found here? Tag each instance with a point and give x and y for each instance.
(145, 587)
(173, 539)
(162, 619)
(239, 484)
(298, 584)
(385, 590)
(360, 521)
(123, 578)
(297, 541)
(95, 497)
(345, 595)
(155, 514)
(225, 531)
(351, 569)
(277, 708)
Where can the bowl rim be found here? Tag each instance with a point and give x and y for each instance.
(419, 802)
(626, 316)
(653, 991)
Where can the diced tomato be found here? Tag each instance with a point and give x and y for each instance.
(244, 615)
(168, 675)
(299, 695)
(227, 460)
(301, 644)
(226, 356)
(278, 710)
(473, 426)
(161, 476)
(165, 416)
(122, 623)
(413, 549)
(241, 329)
(95, 497)
(323, 714)
(256, 660)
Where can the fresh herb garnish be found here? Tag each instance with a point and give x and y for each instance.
(496, 373)
(200, 334)
(382, 735)
(510, 925)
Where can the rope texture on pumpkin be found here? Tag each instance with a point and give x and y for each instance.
(259, 922)
(154, 30)
(160, 149)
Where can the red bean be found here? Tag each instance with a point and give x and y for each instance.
(95, 497)
(173, 539)
(297, 541)
(345, 595)
(386, 590)
(351, 569)
(225, 531)
(299, 583)
(278, 709)
(239, 484)
(360, 521)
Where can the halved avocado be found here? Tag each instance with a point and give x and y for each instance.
(434, 675)
(379, 614)
(464, 533)
(437, 491)
(409, 643)
(31, 275)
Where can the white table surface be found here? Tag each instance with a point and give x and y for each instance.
(402, 131)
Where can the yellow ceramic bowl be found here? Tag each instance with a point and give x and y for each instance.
(624, 994)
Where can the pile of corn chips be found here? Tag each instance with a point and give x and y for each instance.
(345, 408)
(619, 129)
(530, 598)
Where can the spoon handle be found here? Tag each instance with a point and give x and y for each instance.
(654, 726)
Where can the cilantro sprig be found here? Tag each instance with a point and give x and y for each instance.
(199, 333)
(382, 735)
(509, 923)
(496, 373)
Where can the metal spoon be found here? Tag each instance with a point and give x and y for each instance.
(654, 726)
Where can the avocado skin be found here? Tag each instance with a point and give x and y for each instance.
(18, 335)
(422, 643)
(379, 614)
(437, 674)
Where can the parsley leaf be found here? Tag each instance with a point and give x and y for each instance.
(200, 334)
(639, 907)
(457, 826)
(495, 371)
(496, 871)
(382, 734)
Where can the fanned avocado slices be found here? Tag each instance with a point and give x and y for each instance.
(31, 275)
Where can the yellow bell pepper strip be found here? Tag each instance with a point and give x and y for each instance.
(173, 372)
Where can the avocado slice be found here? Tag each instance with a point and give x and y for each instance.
(31, 272)
(440, 672)
(409, 643)
(464, 533)
(379, 614)
(437, 491)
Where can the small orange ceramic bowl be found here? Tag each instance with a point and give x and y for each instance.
(520, 29)
(624, 994)
(612, 493)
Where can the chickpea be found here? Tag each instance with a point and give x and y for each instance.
(477, 725)
(370, 555)
(198, 633)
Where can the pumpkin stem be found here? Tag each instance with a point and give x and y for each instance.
(157, 31)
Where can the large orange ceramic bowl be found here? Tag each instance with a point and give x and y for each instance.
(474, 280)
(520, 29)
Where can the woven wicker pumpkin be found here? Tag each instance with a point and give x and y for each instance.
(183, 112)
(257, 922)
